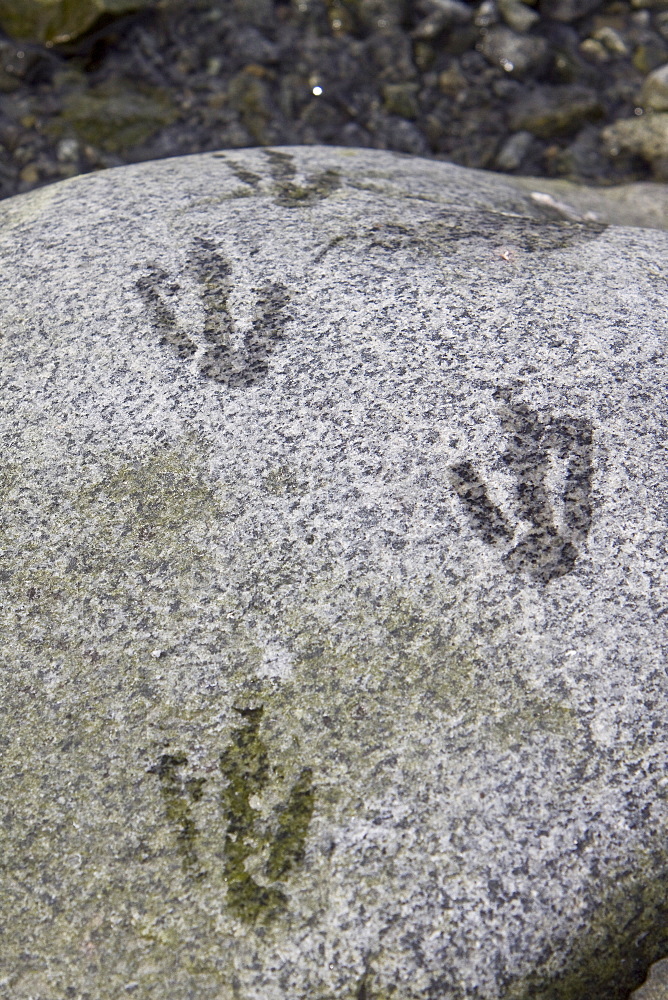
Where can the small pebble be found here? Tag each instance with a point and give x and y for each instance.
(67, 151)
(513, 151)
(29, 174)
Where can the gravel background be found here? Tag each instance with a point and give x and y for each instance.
(569, 88)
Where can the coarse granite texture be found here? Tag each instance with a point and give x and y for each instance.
(334, 579)
(656, 987)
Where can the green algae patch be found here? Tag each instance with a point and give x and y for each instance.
(163, 492)
(179, 795)
(246, 769)
(294, 818)
(58, 21)
(366, 989)
(293, 195)
(131, 547)
(397, 660)
(116, 115)
(213, 781)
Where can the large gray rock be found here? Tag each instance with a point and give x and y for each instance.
(656, 986)
(334, 568)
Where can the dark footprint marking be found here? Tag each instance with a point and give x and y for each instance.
(490, 523)
(159, 291)
(276, 838)
(282, 171)
(481, 231)
(234, 362)
(179, 794)
(548, 550)
(289, 194)
(246, 769)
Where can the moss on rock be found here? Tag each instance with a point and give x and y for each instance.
(116, 115)
(56, 21)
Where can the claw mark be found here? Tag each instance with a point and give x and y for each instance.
(293, 195)
(548, 550)
(489, 521)
(293, 821)
(263, 843)
(287, 191)
(158, 292)
(245, 766)
(235, 362)
(246, 176)
(178, 795)
(221, 361)
(455, 232)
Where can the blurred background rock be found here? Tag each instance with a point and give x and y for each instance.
(574, 89)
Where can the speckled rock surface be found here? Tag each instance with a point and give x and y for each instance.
(334, 579)
(656, 987)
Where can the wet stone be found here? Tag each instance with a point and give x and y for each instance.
(517, 54)
(559, 110)
(401, 99)
(514, 150)
(661, 21)
(261, 13)
(334, 585)
(645, 136)
(49, 21)
(567, 10)
(441, 14)
(654, 93)
(518, 15)
(251, 46)
(115, 116)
